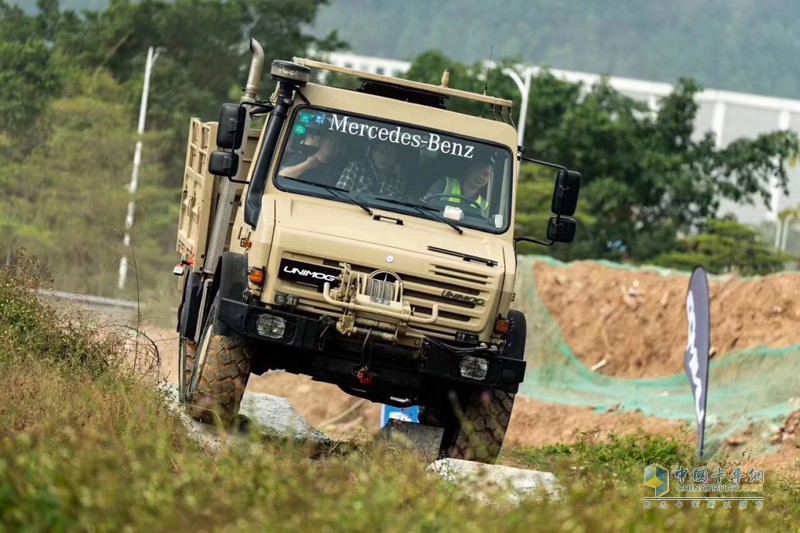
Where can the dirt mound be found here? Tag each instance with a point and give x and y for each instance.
(535, 423)
(635, 321)
(789, 432)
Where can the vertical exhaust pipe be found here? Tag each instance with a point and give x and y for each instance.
(250, 92)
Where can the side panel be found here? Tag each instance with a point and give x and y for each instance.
(200, 191)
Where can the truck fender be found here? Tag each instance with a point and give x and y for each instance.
(230, 283)
(189, 308)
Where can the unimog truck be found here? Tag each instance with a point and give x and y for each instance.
(363, 237)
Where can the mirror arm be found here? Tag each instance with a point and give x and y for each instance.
(529, 239)
(261, 107)
(534, 241)
(232, 180)
(230, 176)
(545, 163)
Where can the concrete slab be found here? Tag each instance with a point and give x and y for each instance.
(276, 416)
(270, 416)
(481, 481)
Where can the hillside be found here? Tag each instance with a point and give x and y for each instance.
(87, 443)
(740, 45)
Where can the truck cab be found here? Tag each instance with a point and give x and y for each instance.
(364, 238)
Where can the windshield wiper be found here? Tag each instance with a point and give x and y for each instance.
(336, 191)
(424, 210)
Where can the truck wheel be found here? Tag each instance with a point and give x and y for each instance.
(477, 432)
(187, 354)
(215, 394)
(481, 426)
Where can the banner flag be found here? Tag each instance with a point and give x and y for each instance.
(698, 314)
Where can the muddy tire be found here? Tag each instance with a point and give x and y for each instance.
(481, 426)
(222, 379)
(187, 355)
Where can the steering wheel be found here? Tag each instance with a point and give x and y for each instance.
(468, 201)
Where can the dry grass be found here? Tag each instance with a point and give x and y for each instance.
(87, 444)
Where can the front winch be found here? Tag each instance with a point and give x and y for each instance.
(379, 294)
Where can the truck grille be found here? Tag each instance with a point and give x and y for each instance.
(462, 296)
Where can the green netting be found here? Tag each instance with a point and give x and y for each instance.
(748, 388)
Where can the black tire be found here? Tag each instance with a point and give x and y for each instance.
(223, 377)
(187, 354)
(478, 419)
(481, 426)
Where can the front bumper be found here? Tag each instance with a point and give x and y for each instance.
(311, 345)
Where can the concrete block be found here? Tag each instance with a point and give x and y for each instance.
(481, 480)
(269, 415)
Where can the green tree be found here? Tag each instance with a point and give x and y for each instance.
(65, 203)
(726, 246)
(430, 66)
(646, 178)
(204, 55)
(27, 81)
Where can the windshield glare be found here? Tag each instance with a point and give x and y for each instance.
(466, 181)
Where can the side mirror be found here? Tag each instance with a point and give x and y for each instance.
(565, 195)
(561, 229)
(230, 131)
(223, 164)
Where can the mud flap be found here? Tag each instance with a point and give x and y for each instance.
(231, 283)
(189, 308)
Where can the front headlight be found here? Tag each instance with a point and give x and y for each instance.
(270, 326)
(474, 367)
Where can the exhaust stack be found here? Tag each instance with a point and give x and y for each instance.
(250, 92)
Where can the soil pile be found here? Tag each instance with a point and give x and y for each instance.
(632, 323)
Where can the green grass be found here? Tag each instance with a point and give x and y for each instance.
(87, 444)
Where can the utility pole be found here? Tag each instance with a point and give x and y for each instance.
(525, 90)
(152, 55)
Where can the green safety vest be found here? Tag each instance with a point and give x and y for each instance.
(453, 186)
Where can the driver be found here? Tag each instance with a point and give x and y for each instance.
(319, 159)
(470, 187)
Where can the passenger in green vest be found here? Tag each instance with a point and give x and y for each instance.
(469, 189)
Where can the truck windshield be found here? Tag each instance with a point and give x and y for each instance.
(398, 168)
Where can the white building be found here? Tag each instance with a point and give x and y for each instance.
(729, 115)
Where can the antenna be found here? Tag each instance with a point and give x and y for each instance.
(486, 86)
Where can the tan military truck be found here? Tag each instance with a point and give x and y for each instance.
(364, 238)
